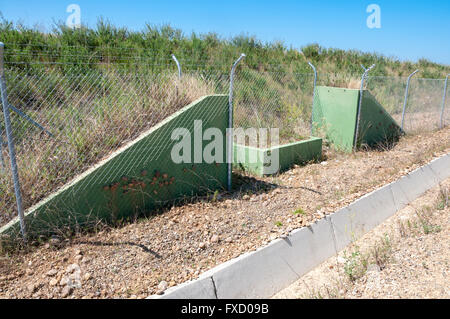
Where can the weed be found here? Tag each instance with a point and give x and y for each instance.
(381, 252)
(443, 199)
(355, 265)
(216, 194)
(430, 228)
(299, 211)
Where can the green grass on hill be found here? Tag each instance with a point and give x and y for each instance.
(153, 46)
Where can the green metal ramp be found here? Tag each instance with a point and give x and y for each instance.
(140, 176)
(335, 116)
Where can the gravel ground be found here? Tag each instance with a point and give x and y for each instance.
(178, 244)
(413, 258)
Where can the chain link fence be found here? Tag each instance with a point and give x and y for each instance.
(67, 116)
(274, 100)
(422, 112)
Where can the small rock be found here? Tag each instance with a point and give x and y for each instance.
(87, 276)
(32, 288)
(341, 260)
(202, 246)
(215, 239)
(78, 258)
(53, 282)
(246, 197)
(163, 285)
(78, 252)
(66, 291)
(373, 267)
(55, 241)
(64, 281)
(324, 163)
(229, 240)
(51, 272)
(71, 268)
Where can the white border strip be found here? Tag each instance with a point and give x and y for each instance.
(266, 271)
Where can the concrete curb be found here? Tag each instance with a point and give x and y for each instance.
(264, 272)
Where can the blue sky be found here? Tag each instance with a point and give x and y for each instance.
(409, 30)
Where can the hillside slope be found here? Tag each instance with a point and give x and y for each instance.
(153, 45)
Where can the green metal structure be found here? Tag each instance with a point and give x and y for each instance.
(258, 160)
(335, 116)
(133, 179)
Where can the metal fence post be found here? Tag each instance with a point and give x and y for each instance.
(230, 122)
(406, 97)
(314, 94)
(443, 102)
(9, 136)
(358, 114)
(178, 65)
(2, 161)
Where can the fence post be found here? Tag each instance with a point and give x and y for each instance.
(406, 97)
(358, 114)
(2, 161)
(230, 122)
(178, 65)
(443, 102)
(12, 153)
(314, 94)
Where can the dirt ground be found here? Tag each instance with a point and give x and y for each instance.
(180, 243)
(408, 256)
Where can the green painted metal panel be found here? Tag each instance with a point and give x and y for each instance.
(249, 159)
(335, 115)
(299, 152)
(376, 125)
(257, 160)
(138, 177)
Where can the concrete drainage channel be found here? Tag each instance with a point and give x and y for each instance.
(264, 272)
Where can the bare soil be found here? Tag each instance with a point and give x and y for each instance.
(178, 244)
(413, 256)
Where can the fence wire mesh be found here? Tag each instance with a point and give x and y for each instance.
(86, 115)
(424, 101)
(274, 100)
(446, 107)
(87, 108)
